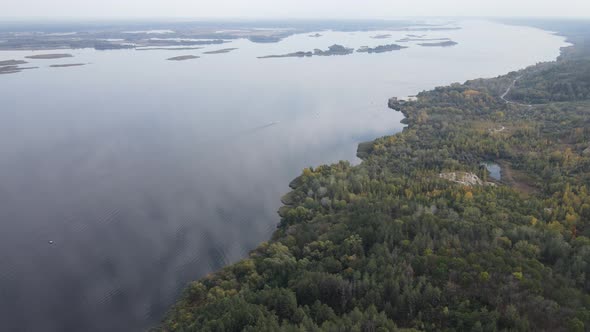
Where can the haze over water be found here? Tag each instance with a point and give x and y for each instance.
(147, 174)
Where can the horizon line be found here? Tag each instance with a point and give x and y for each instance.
(4, 19)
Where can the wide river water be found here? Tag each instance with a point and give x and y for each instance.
(122, 180)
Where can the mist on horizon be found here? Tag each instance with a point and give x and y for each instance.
(301, 9)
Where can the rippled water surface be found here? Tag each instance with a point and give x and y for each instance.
(147, 173)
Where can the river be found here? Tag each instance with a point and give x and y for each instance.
(126, 178)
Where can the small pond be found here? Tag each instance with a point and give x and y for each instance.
(494, 169)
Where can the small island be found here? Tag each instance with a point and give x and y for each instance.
(264, 39)
(49, 56)
(380, 48)
(225, 50)
(446, 43)
(299, 54)
(13, 69)
(168, 48)
(9, 69)
(68, 65)
(332, 50)
(383, 36)
(12, 63)
(317, 35)
(183, 57)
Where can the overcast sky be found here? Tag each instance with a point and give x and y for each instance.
(290, 8)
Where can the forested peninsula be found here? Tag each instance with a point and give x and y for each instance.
(395, 244)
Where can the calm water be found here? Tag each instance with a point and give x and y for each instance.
(148, 173)
(494, 169)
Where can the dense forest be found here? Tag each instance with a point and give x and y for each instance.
(403, 242)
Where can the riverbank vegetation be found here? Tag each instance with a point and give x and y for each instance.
(391, 245)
